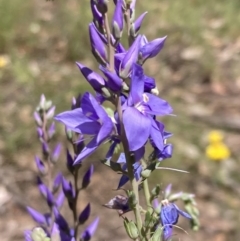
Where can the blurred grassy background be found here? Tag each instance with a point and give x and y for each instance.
(197, 72)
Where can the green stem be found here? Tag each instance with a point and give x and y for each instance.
(146, 187)
(110, 47)
(146, 192)
(75, 212)
(130, 162)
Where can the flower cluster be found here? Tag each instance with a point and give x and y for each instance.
(55, 189)
(132, 126)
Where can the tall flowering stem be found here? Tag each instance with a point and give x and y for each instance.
(133, 123)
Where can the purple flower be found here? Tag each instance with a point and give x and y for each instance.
(27, 235)
(68, 189)
(98, 47)
(130, 58)
(87, 176)
(117, 22)
(38, 217)
(84, 215)
(95, 80)
(57, 182)
(119, 203)
(151, 49)
(137, 167)
(97, 16)
(169, 216)
(40, 166)
(138, 113)
(114, 82)
(137, 24)
(90, 230)
(56, 153)
(90, 119)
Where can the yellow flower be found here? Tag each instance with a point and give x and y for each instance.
(4, 60)
(217, 150)
(215, 136)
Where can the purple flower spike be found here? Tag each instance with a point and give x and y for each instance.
(151, 49)
(137, 24)
(84, 215)
(40, 166)
(37, 216)
(130, 58)
(87, 177)
(92, 120)
(114, 82)
(94, 79)
(98, 47)
(68, 189)
(56, 153)
(117, 22)
(169, 216)
(90, 230)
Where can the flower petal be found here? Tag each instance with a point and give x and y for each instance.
(88, 150)
(158, 106)
(72, 118)
(137, 84)
(157, 135)
(105, 130)
(137, 127)
(123, 180)
(184, 214)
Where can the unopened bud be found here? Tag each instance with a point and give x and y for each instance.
(131, 229)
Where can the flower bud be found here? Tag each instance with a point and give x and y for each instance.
(51, 130)
(55, 233)
(117, 22)
(38, 119)
(95, 80)
(98, 47)
(90, 230)
(87, 177)
(135, 27)
(50, 113)
(56, 153)
(68, 189)
(129, 59)
(84, 215)
(146, 173)
(151, 49)
(114, 82)
(40, 166)
(57, 182)
(131, 229)
(102, 6)
(37, 216)
(132, 200)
